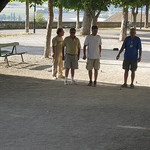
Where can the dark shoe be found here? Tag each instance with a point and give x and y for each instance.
(90, 83)
(132, 86)
(95, 83)
(124, 85)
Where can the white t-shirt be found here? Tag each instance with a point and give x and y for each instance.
(93, 43)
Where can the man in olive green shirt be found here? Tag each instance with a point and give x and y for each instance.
(72, 55)
(57, 43)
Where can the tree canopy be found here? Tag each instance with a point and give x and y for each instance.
(3, 3)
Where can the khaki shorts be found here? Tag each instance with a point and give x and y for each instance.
(130, 65)
(93, 63)
(71, 61)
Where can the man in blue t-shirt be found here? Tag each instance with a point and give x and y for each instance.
(132, 45)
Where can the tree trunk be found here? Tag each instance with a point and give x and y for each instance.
(134, 13)
(59, 24)
(3, 3)
(86, 25)
(123, 31)
(49, 28)
(146, 15)
(78, 20)
(95, 17)
(27, 17)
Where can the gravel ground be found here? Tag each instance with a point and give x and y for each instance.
(37, 113)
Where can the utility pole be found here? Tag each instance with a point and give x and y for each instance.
(34, 18)
(141, 19)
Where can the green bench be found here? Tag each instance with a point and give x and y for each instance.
(6, 53)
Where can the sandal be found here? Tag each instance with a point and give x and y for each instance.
(124, 85)
(131, 86)
(90, 83)
(95, 83)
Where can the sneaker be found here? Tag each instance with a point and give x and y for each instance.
(131, 86)
(65, 82)
(90, 83)
(73, 82)
(124, 85)
(54, 78)
(95, 83)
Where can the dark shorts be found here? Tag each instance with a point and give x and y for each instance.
(130, 65)
(71, 61)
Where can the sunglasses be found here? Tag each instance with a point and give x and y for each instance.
(72, 32)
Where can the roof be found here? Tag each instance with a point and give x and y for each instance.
(117, 17)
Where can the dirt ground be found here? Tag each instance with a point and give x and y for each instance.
(38, 113)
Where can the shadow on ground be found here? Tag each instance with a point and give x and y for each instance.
(41, 114)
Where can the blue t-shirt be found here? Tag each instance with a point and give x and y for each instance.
(131, 47)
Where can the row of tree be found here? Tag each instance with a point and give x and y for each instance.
(92, 10)
(11, 17)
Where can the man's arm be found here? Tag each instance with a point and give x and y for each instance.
(54, 52)
(140, 55)
(84, 52)
(63, 57)
(121, 50)
(100, 48)
(78, 53)
(140, 51)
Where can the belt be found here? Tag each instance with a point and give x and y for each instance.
(72, 54)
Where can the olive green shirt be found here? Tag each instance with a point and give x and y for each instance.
(58, 42)
(72, 45)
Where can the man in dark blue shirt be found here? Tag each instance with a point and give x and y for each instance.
(132, 46)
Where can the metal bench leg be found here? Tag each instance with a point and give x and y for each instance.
(22, 58)
(6, 59)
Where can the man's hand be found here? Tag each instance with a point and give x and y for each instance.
(84, 57)
(54, 56)
(118, 56)
(139, 59)
(63, 58)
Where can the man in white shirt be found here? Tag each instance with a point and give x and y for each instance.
(93, 42)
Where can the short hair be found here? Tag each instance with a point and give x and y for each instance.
(132, 29)
(72, 29)
(59, 30)
(94, 27)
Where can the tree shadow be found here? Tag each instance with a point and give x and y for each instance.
(41, 67)
(45, 112)
(34, 50)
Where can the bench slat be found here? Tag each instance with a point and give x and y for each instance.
(9, 44)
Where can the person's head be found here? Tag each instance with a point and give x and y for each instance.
(60, 32)
(94, 30)
(132, 32)
(72, 32)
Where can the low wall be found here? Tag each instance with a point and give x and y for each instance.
(42, 25)
(39, 25)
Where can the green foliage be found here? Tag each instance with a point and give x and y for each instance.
(94, 5)
(128, 3)
(38, 2)
(39, 17)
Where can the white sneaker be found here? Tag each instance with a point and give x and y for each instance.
(73, 82)
(65, 82)
(54, 78)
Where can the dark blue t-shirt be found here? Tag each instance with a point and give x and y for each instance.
(131, 47)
